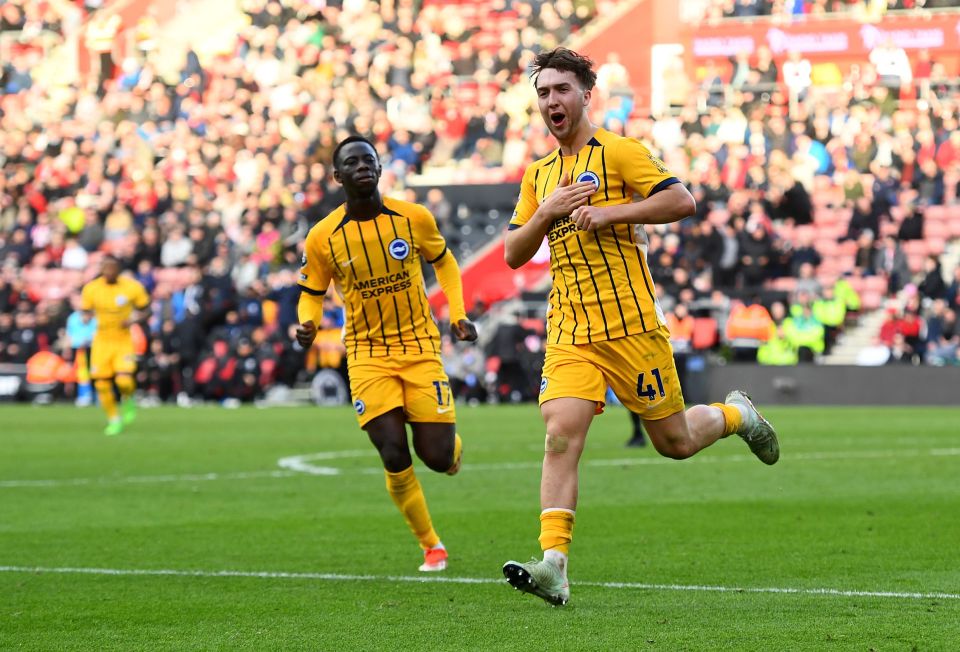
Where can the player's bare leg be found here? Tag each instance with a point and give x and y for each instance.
(388, 432)
(684, 434)
(438, 445)
(567, 421)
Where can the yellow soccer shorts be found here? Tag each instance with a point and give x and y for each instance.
(639, 369)
(416, 383)
(112, 355)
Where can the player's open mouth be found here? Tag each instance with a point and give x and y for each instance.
(557, 119)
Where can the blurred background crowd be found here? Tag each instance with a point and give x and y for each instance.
(827, 197)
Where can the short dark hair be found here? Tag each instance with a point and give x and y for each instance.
(346, 141)
(565, 60)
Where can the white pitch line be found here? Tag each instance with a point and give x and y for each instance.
(297, 465)
(147, 479)
(440, 579)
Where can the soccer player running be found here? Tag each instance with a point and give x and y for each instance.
(370, 247)
(604, 323)
(116, 301)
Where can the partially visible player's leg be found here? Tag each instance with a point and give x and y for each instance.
(438, 445)
(389, 434)
(101, 372)
(125, 366)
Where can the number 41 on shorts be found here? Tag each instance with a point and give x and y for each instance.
(646, 390)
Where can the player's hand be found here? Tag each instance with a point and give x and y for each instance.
(590, 218)
(464, 330)
(567, 196)
(306, 333)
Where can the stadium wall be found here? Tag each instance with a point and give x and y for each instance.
(841, 385)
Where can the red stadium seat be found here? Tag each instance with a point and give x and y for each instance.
(705, 333)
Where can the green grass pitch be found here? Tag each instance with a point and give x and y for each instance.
(715, 553)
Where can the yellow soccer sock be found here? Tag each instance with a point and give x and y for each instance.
(457, 451)
(407, 495)
(107, 400)
(126, 384)
(556, 529)
(732, 417)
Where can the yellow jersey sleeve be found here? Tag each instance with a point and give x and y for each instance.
(427, 234)
(139, 298)
(315, 272)
(527, 203)
(643, 172)
(87, 297)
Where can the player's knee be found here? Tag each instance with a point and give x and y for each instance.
(103, 385)
(675, 448)
(556, 443)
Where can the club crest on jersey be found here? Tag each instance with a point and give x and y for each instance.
(543, 385)
(592, 177)
(399, 249)
(359, 406)
(121, 300)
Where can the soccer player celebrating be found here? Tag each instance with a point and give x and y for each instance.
(370, 247)
(116, 301)
(604, 323)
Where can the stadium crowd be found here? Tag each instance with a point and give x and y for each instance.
(204, 185)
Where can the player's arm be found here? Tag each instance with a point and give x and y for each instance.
(448, 275)
(531, 219)
(140, 301)
(434, 250)
(314, 281)
(671, 204)
(86, 303)
(665, 200)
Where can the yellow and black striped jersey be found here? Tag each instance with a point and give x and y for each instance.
(602, 287)
(113, 303)
(375, 266)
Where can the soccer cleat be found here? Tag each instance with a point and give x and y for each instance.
(434, 560)
(540, 578)
(128, 411)
(114, 427)
(755, 430)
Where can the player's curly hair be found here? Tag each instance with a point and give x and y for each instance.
(568, 61)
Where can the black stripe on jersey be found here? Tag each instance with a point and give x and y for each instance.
(593, 142)
(421, 295)
(416, 337)
(593, 280)
(513, 227)
(310, 291)
(363, 308)
(666, 183)
(346, 218)
(623, 190)
(386, 264)
(587, 166)
(414, 321)
(396, 313)
(626, 269)
(338, 271)
(546, 177)
(559, 177)
(536, 180)
(613, 285)
(643, 270)
(383, 331)
(603, 164)
(442, 254)
(383, 249)
(363, 243)
(576, 279)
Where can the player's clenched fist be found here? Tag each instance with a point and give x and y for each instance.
(589, 218)
(464, 330)
(306, 333)
(567, 197)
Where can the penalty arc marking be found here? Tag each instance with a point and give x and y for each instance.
(437, 579)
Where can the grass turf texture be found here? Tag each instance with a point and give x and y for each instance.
(862, 500)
